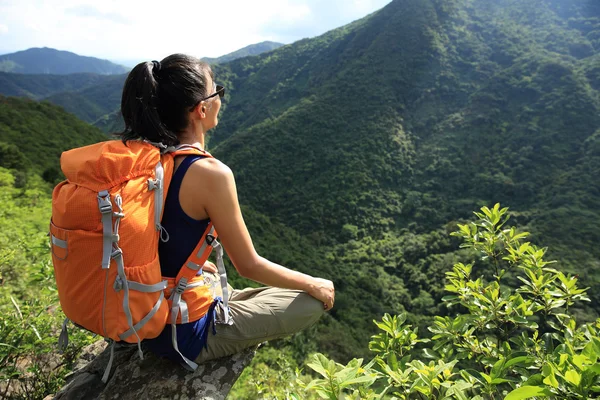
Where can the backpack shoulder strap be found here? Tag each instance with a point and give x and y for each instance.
(193, 266)
(199, 256)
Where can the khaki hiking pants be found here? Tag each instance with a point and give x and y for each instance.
(261, 314)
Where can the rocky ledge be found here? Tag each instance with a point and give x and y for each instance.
(151, 378)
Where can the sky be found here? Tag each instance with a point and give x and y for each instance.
(129, 31)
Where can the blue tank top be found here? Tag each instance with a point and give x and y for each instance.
(184, 234)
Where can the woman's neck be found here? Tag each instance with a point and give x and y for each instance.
(193, 138)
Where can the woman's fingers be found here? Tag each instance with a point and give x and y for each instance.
(210, 267)
(324, 290)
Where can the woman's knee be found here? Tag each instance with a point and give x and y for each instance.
(302, 312)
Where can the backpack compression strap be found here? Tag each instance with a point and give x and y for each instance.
(188, 271)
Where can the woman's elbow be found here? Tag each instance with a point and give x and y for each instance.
(248, 268)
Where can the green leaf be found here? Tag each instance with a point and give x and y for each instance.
(430, 354)
(361, 379)
(573, 377)
(519, 360)
(319, 365)
(526, 392)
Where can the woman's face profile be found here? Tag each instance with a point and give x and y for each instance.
(213, 106)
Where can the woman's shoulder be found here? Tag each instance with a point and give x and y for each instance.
(210, 169)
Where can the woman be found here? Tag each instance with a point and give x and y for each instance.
(176, 101)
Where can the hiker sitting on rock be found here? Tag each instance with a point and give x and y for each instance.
(174, 102)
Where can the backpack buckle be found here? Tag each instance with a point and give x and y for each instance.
(181, 286)
(118, 285)
(154, 184)
(210, 239)
(116, 253)
(104, 204)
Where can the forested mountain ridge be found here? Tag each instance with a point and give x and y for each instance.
(93, 97)
(51, 61)
(371, 139)
(251, 50)
(88, 96)
(415, 80)
(41, 85)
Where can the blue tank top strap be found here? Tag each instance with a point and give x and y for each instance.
(181, 170)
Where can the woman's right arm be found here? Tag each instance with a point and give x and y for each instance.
(215, 194)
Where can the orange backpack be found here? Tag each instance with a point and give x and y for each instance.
(105, 230)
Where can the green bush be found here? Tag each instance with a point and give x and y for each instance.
(30, 365)
(504, 342)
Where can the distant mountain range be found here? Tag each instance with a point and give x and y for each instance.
(91, 95)
(252, 50)
(51, 61)
(47, 61)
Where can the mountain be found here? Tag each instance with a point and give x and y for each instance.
(40, 86)
(50, 61)
(93, 102)
(375, 138)
(92, 97)
(251, 50)
(418, 112)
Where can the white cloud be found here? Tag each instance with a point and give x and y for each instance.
(142, 29)
(88, 11)
(3, 29)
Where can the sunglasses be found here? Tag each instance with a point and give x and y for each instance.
(219, 91)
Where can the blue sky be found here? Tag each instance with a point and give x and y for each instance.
(137, 30)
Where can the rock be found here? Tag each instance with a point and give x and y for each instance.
(151, 378)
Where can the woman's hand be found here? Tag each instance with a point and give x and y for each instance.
(210, 267)
(323, 290)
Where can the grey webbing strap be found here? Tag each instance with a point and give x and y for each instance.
(60, 243)
(183, 309)
(223, 274)
(193, 266)
(110, 361)
(158, 195)
(63, 338)
(176, 297)
(118, 256)
(140, 287)
(195, 284)
(105, 207)
(144, 320)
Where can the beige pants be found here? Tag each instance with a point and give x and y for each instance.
(259, 315)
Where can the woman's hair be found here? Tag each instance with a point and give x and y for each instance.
(157, 97)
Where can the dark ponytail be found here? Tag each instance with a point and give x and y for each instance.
(157, 97)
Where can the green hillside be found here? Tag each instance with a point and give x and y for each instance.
(93, 102)
(51, 61)
(40, 86)
(39, 133)
(407, 99)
